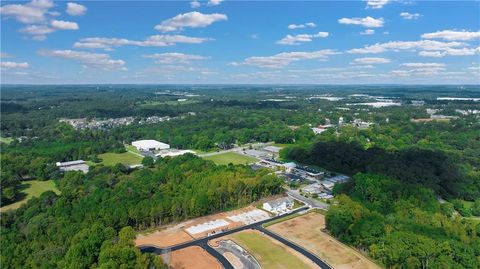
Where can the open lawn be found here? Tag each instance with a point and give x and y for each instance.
(6, 140)
(270, 253)
(33, 188)
(306, 231)
(132, 149)
(231, 157)
(127, 158)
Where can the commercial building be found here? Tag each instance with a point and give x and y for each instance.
(149, 145)
(79, 165)
(278, 206)
(174, 153)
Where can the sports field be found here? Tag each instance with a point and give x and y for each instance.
(127, 158)
(270, 253)
(230, 157)
(306, 231)
(33, 188)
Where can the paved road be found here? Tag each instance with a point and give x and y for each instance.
(203, 242)
(295, 194)
(247, 260)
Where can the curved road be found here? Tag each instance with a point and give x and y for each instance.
(203, 242)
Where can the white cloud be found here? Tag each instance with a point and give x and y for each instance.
(174, 58)
(377, 4)
(368, 32)
(64, 25)
(87, 59)
(13, 65)
(6, 55)
(37, 30)
(151, 41)
(452, 35)
(450, 52)
(410, 16)
(189, 20)
(195, 4)
(32, 12)
(424, 45)
(214, 2)
(296, 39)
(371, 60)
(423, 65)
(285, 58)
(365, 22)
(74, 9)
(301, 26)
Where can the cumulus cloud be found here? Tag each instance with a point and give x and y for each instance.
(74, 9)
(214, 2)
(64, 25)
(365, 22)
(189, 20)
(87, 59)
(13, 65)
(410, 16)
(37, 17)
(32, 12)
(371, 60)
(195, 4)
(174, 58)
(419, 69)
(377, 4)
(152, 41)
(297, 39)
(427, 48)
(368, 32)
(285, 58)
(452, 35)
(301, 26)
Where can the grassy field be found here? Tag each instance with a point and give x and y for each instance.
(266, 252)
(33, 188)
(127, 158)
(231, 157)
(132, 149)
(6, 140)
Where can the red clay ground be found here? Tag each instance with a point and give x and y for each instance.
(193, 258)
(307, 232)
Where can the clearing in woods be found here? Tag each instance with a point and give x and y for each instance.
(307, 231)
(231, 157)
(32, 188)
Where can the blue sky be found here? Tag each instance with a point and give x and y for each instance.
(221, 42)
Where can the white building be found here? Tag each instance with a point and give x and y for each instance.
(289, 167)
(149, 145)
(281, 205)
(174, 153)
(79, 165)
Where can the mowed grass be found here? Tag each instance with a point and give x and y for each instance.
(132, 149)
(230, 157)
(6, 140)
(33, 188)
(267, 253)
(127, 158)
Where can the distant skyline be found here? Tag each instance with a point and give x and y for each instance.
(240, 42)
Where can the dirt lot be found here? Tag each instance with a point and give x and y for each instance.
(193, 258)
(175, 234)
(306, 231)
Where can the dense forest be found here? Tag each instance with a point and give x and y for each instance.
(84, 227)
(402, 225)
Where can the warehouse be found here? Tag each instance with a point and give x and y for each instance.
(149, 145)
(79, 165)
